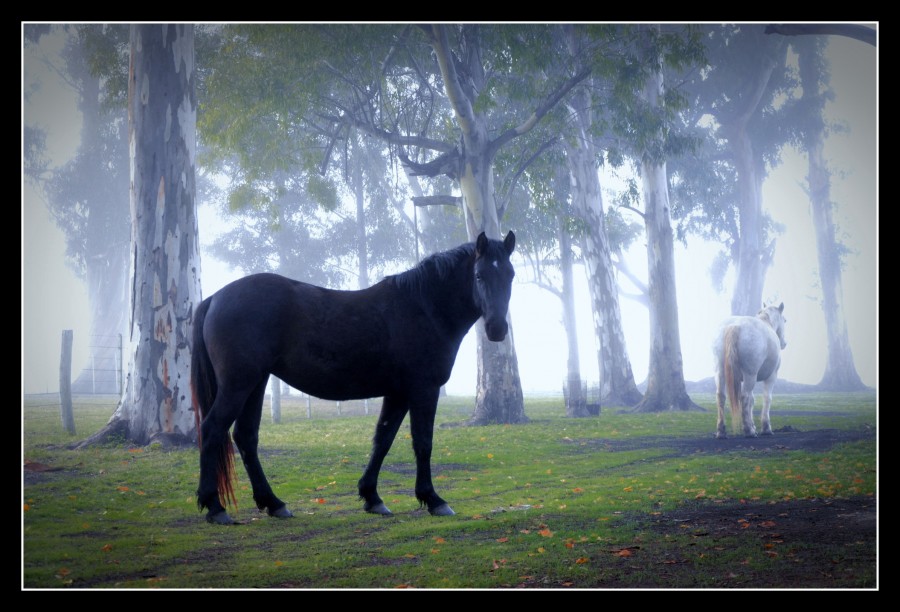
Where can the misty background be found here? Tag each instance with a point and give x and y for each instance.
(53, 299)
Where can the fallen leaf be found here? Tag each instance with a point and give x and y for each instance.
(546, 533)
(581, 560)
(503, 540)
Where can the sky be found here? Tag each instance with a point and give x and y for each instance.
(54, 300)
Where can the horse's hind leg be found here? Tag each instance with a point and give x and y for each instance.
(214, 437)
(421, 414)
(393, 409)
(721, 400)
(747, 405)
(246, 437)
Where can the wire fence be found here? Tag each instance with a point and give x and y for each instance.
(104, 373)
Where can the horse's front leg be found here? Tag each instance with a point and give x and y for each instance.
(246, 437)
(393, 409)
(421, 415)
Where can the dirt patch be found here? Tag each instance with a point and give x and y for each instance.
(785, 439)
(796, 544)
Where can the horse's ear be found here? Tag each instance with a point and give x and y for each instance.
(481, 244)
(510, 242)
(781, 307)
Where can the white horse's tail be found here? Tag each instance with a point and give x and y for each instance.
(731, 364)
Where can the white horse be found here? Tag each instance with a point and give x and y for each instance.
(747, 350)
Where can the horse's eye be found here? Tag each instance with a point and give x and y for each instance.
(478, 276)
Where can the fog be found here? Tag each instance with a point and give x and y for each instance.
(54, 300)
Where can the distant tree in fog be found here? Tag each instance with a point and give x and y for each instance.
(718, 192)
(809, 122)
(88, 196)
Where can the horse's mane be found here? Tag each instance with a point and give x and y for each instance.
(433, 270)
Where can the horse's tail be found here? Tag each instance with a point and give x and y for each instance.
(203, 390)
(731, 364)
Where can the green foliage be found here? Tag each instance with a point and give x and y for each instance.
(322, 191)
(552, 503)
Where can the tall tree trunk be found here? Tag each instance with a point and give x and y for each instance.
(617, 386)
(498, 395)
(665, 379)
(840, 369)
(157, 404)
(575, 401)
(361, 249)
(753, 257)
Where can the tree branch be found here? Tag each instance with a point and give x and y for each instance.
(542, 109)
(858, 32)
(436, 200)
(634, 210)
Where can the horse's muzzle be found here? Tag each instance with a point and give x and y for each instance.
(496, 330)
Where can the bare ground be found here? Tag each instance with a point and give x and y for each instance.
(800, 543)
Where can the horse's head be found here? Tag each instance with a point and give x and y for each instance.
(493, 282)
(775, 316)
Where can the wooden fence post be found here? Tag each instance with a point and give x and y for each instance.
(275, 401)
(65, 383)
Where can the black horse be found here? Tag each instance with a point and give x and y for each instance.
(397, 339)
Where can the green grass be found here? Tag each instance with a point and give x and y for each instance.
(543, 504)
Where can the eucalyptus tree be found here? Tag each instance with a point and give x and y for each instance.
(738, 94)
(432, 94)
(88, 196)
(808, 123)
(481, 67)
(588, 137)
(665, 380)
(546, 245)
(157, 401)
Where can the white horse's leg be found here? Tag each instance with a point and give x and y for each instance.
(767, 403)
(721, 401)
(747, 404)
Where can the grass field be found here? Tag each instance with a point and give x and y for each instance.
(555, 503)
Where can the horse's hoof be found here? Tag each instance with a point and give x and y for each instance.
(721, 436)
(281, 512)
(380, 508)
(220, 518)
(767, 432)
(442, 510)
